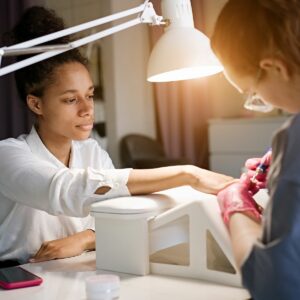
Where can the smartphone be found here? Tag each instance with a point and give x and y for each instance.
(17, 277)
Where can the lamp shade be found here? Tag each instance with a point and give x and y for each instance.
(182, 52)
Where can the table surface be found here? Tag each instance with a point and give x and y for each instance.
(65, 279)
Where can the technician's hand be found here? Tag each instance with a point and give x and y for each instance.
(238, 198)
(209, 182)
(261, 179)
(66, 247)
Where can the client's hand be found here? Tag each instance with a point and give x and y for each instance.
(66, 247)
(238, 198)
(261, 178)
(208, 181)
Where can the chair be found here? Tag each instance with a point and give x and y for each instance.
(143, 152)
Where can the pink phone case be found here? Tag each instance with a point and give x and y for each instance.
(36, 280)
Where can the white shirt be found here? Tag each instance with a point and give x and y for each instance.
(42, 200)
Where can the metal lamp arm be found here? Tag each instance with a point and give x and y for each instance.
(147, 15)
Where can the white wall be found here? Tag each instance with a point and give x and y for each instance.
(212, 9)
(76, 11)
(226, 101)
(128, 97)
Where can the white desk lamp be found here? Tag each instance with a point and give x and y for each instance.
(182, 52)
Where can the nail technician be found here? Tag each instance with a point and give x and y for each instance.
(258, 42)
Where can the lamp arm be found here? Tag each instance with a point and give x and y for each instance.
(148, 15)
(77, 28)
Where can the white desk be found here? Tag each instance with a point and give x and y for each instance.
(64, 280)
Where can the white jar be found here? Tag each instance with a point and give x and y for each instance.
(102, 287)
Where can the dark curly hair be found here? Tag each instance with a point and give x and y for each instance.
(35, 22)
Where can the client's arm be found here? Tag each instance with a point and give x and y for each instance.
(72, 245)
(153, 180)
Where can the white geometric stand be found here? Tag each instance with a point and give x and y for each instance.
(131, 230)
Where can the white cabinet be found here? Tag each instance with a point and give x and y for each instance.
(233, 141)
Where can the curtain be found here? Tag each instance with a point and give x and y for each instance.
(182, 108)
(15, 119)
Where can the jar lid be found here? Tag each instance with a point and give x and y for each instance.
(102, 287)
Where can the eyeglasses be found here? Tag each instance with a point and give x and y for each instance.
(254, 101)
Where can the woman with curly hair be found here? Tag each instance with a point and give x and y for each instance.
(50, 177)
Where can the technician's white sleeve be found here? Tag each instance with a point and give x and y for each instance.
(37, 183)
